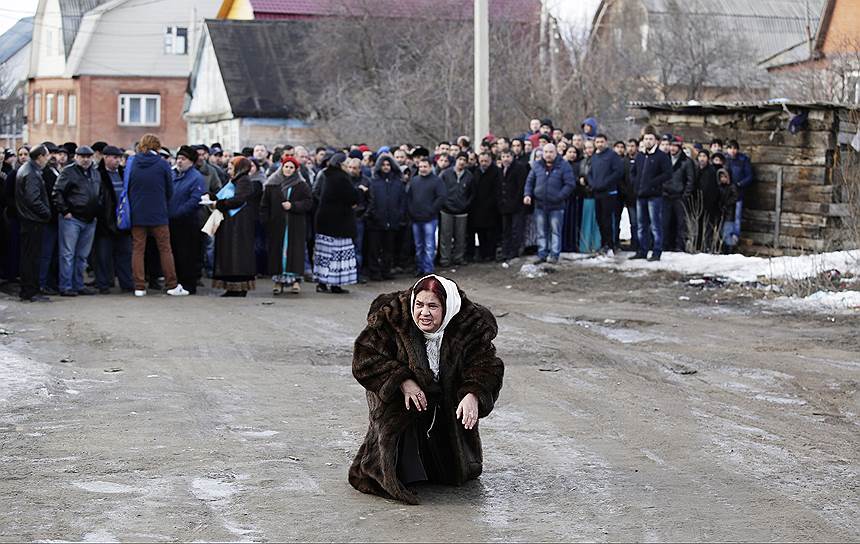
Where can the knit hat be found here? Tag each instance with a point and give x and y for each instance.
(355, 154)
(188, 152)
(289, 158)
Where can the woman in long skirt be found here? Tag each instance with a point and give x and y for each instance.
(286, 201)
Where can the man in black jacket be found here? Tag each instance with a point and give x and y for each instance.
(34, 212)
(387, 197)
(77, 199)
(651, 171)
(425, 196)
(49, 265)
(511, 206)
(112, 246)
(453, 228)
(675, 193)
(484, 214)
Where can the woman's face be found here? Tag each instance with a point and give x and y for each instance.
(427, 311)
(231, 170)
(289, 169)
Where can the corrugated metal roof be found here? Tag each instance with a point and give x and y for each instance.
(71, 12)
(525, 11)
(771, 26)
(16, 38)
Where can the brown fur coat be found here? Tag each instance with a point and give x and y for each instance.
(390, 350)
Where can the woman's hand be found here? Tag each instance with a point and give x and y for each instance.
(412, 392)
(467, 411)
(286, 205)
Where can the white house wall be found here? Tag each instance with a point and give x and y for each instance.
(129, 38)
(226, 132)
(48, 56)
(209, 101)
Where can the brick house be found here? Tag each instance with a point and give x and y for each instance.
(111, 70)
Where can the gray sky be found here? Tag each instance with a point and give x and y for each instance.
(568, 12)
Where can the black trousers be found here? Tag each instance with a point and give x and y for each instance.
(487, 238)
(605, 208)
(512, 234)
(185, 240)
(31, 253)
(674, 224)
(380, 251)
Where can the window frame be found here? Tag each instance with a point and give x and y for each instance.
(171, 35)
(61, 108)
(124, 102)
(49, 108)
(37, 108)
(73, 110)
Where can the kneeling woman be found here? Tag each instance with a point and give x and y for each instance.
(430, 369)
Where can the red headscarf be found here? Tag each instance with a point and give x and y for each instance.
(289, 158)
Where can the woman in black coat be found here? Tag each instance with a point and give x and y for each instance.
(286, 202)
(239, 200)
(334, 252)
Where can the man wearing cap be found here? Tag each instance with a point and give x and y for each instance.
(98, 152)
(77, 199)
(216, 153)
(185, 235)
(213, 185)
(675, 192)
(545, 129)
(112, 246)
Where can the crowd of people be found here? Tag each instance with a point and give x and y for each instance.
(150, 218)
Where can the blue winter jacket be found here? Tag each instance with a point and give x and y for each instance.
(650, 172)
(741, 170)
(606, 172)
(188, 189)
(550, 188)
(591, 122)
(387, 197)
(150, 188)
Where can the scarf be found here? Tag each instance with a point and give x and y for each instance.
(433, 340)
(229, 191)
(278, 178)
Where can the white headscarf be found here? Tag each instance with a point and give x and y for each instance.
(433, 340)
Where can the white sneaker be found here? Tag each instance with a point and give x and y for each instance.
(178, 291)
(139, 293)
(610, 253)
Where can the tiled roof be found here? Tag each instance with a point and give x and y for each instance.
(500, 10)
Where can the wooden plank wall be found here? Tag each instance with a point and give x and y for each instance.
(811, 205)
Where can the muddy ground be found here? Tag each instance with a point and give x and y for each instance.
(628, 413)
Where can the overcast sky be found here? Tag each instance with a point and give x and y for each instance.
(568, 12)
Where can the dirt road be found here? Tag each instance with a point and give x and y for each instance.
(626, 414)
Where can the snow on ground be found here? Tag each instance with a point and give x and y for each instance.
(738, 268)
(821, 301)
(20, 376)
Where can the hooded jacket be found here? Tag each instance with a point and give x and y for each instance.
(150, 188)
(550, 187)
(78, 192)
(387, 197)
(591, 122)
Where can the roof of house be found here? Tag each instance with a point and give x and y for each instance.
(771, 26)
(696, 107)
(16, 38)
(500, 10)
(259, 83)
(71, 12)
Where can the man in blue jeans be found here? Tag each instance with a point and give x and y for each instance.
(651, 170)
(77, 199)
(549, 184)
(425, 195)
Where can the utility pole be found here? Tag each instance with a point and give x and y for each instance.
(482, 70)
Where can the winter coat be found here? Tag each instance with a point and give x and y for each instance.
(390, 350)
(363, 196)
(335, 215)
(150, 187)
(50, 174)
(606, 172)
(276, 220)
(78, 192)
(706, 181)
(510, 199)
(650, 172)
(188, 188)
(742, 174)
(387, 197)
(31, 198)
(107, 218)
(234, 239)
(682, 180)
(484, 213)
(626, 189)
(550, 187)
(728, 199)
(460, 191)
(425, 196)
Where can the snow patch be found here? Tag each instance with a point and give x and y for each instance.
(20, 376)
(104, 487)
(821, 301)
(210, 489)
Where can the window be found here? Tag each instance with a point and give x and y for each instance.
(49, 108)
(37, 108)
(852, 87)
(61, 109)
(73, 110)
(140, 109)
(176, 40)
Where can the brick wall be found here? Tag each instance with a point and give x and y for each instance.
(844, 31)
(98, 110)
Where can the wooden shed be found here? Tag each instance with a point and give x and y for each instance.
(798, 200)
